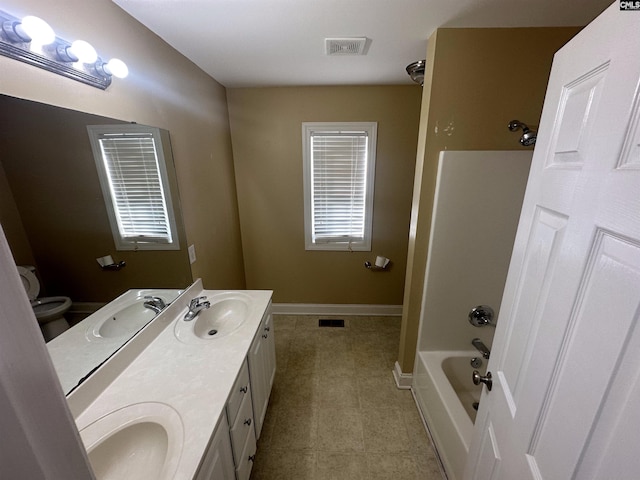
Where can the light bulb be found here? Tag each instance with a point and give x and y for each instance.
(84, 51)
(117, 68)
(38, 30)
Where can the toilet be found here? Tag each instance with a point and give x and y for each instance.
(49, 311)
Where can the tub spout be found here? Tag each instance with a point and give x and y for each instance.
(481, 347)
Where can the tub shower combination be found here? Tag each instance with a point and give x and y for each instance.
(447, 385)
(477, 205)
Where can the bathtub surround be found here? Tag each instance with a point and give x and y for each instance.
(478, 198)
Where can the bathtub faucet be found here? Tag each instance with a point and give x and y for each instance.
(481, 347)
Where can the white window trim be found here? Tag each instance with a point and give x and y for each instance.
(122, 243)
(307, 129)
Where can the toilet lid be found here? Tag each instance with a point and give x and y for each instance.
(30, 282)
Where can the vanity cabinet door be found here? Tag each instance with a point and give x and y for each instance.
(246, 459)
(218, 461)
(241, 428)
(239, 393)
(262, 367)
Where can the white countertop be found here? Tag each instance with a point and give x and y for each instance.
(193, 379)
(77, 351)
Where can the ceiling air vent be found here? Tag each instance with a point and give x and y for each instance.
(345, 46)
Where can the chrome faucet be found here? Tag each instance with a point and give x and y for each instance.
(154, 303)
(195, 307)
(481, 347)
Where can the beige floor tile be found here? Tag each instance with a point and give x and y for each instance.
(376, 391)
(307, 322)
(340, 430)
(337, 391)
(384, 431)
(284, 322)
(295, 391)
(335, 412)
(336, 363)
(392, 467)
(368, 361)
(302, 359)
(428, 466)
(341, 466)
(295, 429)
(284, 465)
(418, 440)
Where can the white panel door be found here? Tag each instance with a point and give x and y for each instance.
(566, 382)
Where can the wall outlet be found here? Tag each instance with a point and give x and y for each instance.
(192, 253)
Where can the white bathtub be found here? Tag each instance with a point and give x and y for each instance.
(445, 394)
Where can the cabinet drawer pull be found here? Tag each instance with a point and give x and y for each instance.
(244, 389)
(252, 458)
(247, 421)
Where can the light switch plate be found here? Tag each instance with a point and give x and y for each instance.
(192, 253)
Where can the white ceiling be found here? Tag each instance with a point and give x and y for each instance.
(249, 43)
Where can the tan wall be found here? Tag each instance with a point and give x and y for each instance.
(163, 89)
(11, 221)
(267, 146)
(477, 81)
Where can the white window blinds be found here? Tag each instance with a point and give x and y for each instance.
(133, 178)
(339, 165)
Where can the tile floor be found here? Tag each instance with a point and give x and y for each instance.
(335, 412)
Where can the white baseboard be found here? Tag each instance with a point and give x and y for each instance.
(403, 380)
(336, 309)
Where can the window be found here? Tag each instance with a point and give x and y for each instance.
(134, 182)
(339, 170)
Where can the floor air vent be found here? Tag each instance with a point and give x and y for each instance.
(331, 322)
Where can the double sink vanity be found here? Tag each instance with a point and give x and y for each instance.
(186, 396)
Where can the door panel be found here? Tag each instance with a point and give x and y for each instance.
(540, 261)
(567, 338)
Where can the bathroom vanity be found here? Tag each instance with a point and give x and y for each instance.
(183, 399)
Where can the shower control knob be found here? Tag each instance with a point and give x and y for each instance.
(478, 379)
(481, 315)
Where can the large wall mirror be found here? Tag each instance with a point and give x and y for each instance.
(53, 212)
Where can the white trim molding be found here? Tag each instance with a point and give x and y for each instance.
(403, 380)
(337, 309)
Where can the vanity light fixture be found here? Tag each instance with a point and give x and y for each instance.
(33, 41)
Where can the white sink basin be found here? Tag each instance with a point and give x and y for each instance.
(126, 315)
(126, 321)
(227, 312)
(140, 441)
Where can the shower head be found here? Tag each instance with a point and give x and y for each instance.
(528, 136)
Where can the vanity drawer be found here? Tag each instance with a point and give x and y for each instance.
(241, 428)
(245, 462)
(238, 393)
